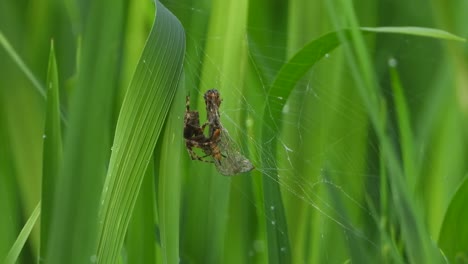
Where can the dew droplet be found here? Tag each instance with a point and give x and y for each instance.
(249, 122)
(44, 136)
(392, 62)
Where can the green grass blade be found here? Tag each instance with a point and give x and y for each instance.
(416, 31)
(388, 248)
(304, 59)
(52, 150)
(87, 143)
(406, 135)
(453, 237)
(17, 59)
(27, 72)
(140, 243)
(170, 181)
(358, 253)
(276, 227)
(23, 236)
(10, 223)
(284, 82)
(418, 245)
(296, 67)
(141, 119)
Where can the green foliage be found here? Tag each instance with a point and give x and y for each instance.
(141, 119)
(356, 126)
(16, 248)
(53, 151)
(453, 234)
(87, 139)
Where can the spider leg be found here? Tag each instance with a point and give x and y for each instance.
(187, 103)
(194, 156)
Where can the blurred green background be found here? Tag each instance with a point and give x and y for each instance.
(364, 160)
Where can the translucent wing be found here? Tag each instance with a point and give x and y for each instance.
(232, 162)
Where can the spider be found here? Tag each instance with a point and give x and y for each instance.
(218, 144)
(195, 137)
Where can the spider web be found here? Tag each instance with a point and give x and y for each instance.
(296, 151)
(326, 168)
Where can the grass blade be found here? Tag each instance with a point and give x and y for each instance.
(141, 119)
(453, 238)
(52, 150)
(406, 135)
(141, 244)
(416, 31)
(23, 236)
(284, 82)
(10, 224)
(170, 181)
(17, 59)
(87, 144)
(304, 59)
(419, 247)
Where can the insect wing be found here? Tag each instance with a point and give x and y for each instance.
(232, 162)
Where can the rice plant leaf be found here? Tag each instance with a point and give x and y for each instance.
(310, 54)
(17, 59)
(9, 227)
(140, 122)
(278, 94)
(24, 68)
(139, 243)
(87, 143)
(356, 249)
(407, 143)
(416, 31)
(284, 82)
(23, 236)
(453, 238)
(52, 149)
(276, 227)
(170, 181)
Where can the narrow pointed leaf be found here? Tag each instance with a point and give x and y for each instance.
(140, 122)
(22, 237)
(52, 149)
(453, 238)
(280, 90)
